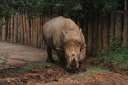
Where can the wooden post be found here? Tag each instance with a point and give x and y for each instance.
(24, 27)
(112, 26)
(19, 28)
(22, 30)
(15, 29)
(106, 32)
(125, 31)
(8, 30)
(90, 33)
(12, 27)
(27, 29)
(118, 25)
(3, 29)
(34, 32)
(95, 34)
(100, 32)
(31, 26)
(0, 29)
(125, 4)
(39, 32)
(41, 25)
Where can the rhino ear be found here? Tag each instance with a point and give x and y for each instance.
(80, 31)
(80, 35)
(63, 32)
(65, 35)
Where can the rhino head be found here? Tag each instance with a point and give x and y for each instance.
(72, 49)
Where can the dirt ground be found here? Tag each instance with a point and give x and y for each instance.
(51, 75)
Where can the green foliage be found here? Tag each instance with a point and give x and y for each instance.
(89, 72)
(6, 8)
(57, 7)
(3, 59)
(116, 55)
(104, 5)
(97, 69)
(29, 67)
(110, 5)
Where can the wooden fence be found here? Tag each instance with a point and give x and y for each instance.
(97, 28)
(22, 30)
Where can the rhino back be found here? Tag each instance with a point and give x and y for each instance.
(52, 31)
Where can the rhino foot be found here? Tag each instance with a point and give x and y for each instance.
(50, 61)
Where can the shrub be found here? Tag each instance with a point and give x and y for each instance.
(116, 55)
(29, 67)
(3, 59)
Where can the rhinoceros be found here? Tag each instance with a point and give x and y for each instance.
(66, 38)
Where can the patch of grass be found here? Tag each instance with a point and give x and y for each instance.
(116, 55)
(3, 59)
(97, 69)
(29, 67)
(88, 73)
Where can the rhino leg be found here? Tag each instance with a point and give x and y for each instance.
(82, 55)
(49, 53)
(61, 57)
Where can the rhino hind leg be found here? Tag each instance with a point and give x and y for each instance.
(49, 57)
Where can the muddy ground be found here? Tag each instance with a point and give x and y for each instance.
(19, 55)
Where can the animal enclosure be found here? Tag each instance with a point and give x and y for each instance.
(98, 29)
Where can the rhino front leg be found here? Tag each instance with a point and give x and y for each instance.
(49, 53)
(62, 59)
(82, 55)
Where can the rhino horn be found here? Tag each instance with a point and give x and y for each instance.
(80, 31)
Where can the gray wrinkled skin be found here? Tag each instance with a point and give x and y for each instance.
(64, 36)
